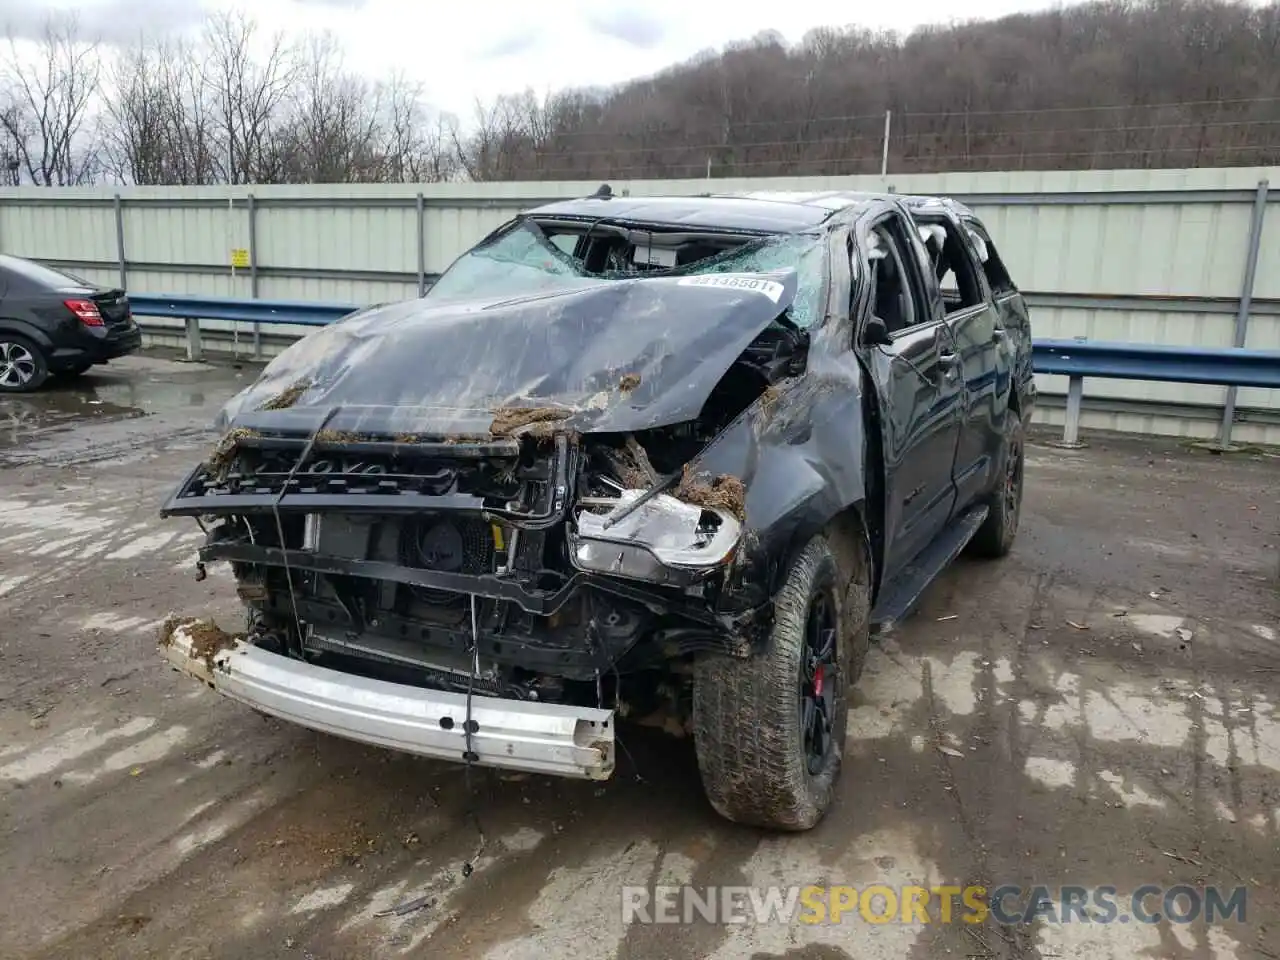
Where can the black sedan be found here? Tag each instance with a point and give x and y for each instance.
(52, 323)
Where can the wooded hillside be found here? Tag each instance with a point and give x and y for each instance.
(1170, 83)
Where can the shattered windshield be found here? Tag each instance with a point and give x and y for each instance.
(799, 252)
(523, 261)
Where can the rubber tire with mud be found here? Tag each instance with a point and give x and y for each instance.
(41, 373)
(995, 537)
(746, 711)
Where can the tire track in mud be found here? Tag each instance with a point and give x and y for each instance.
(52, 454)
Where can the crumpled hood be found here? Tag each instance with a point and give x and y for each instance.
(442, 367)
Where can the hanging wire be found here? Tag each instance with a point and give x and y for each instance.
(275, 511)
(469, 754)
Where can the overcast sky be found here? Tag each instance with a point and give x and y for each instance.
(463, 50)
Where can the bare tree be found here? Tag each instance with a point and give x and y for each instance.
(419, 145)
(50, 98)
(14, 127)
(137, 117)
(247, 98)
(157, 114)
(333, 130)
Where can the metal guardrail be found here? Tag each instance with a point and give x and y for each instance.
(185, 307)
(1075, 359)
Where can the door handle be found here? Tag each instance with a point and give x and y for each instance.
(949, 359)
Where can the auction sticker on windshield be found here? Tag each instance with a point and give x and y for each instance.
(770, 288)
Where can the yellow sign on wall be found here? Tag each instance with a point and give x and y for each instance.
(240, 259)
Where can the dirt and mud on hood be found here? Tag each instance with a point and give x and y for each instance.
(287, 397)
(602, 356)
(507, 420)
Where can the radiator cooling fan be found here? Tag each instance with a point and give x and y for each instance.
(449, 546)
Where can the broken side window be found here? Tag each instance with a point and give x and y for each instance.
(997, 276)
(952, 266)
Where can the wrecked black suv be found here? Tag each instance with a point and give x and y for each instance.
(664, 458)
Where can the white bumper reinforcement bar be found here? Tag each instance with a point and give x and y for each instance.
(512, 734)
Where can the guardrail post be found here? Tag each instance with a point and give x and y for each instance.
(119, 208)
(1246, 303)
(1071, 429)
(422, 247)
(253, 272)
(195, 349)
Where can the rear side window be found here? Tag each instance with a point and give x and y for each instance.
(28, 274)
(997, 276)
(952, 265)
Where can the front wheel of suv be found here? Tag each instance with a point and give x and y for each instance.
(769, 729)
(22, 365)
(995, 537)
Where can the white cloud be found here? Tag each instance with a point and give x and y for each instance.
(111, 21)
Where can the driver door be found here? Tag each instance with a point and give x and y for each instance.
(918, 386)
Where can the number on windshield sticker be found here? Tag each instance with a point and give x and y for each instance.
(770, 288)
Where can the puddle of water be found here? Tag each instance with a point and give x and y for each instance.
(136, 387)
(53, 412)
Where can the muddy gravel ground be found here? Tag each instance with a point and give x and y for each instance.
(1100, 708)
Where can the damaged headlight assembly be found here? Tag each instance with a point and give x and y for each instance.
(664, 540)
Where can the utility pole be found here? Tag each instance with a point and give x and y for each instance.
(884, 155)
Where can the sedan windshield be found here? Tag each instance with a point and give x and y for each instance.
(524, 261)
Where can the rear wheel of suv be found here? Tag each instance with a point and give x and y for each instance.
(995, 537)
(22, 365)
(769, 729)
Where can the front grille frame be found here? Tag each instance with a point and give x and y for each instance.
(230, 490)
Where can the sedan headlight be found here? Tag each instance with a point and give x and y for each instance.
(665, 540)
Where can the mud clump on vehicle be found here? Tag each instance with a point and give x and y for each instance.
(549, 429)
(224, 450)
(507, 420)
(629, 382)
(207, 638)
(171, 624)
(338, 436)
(725, 492)
(287, 397)
(768, 401)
